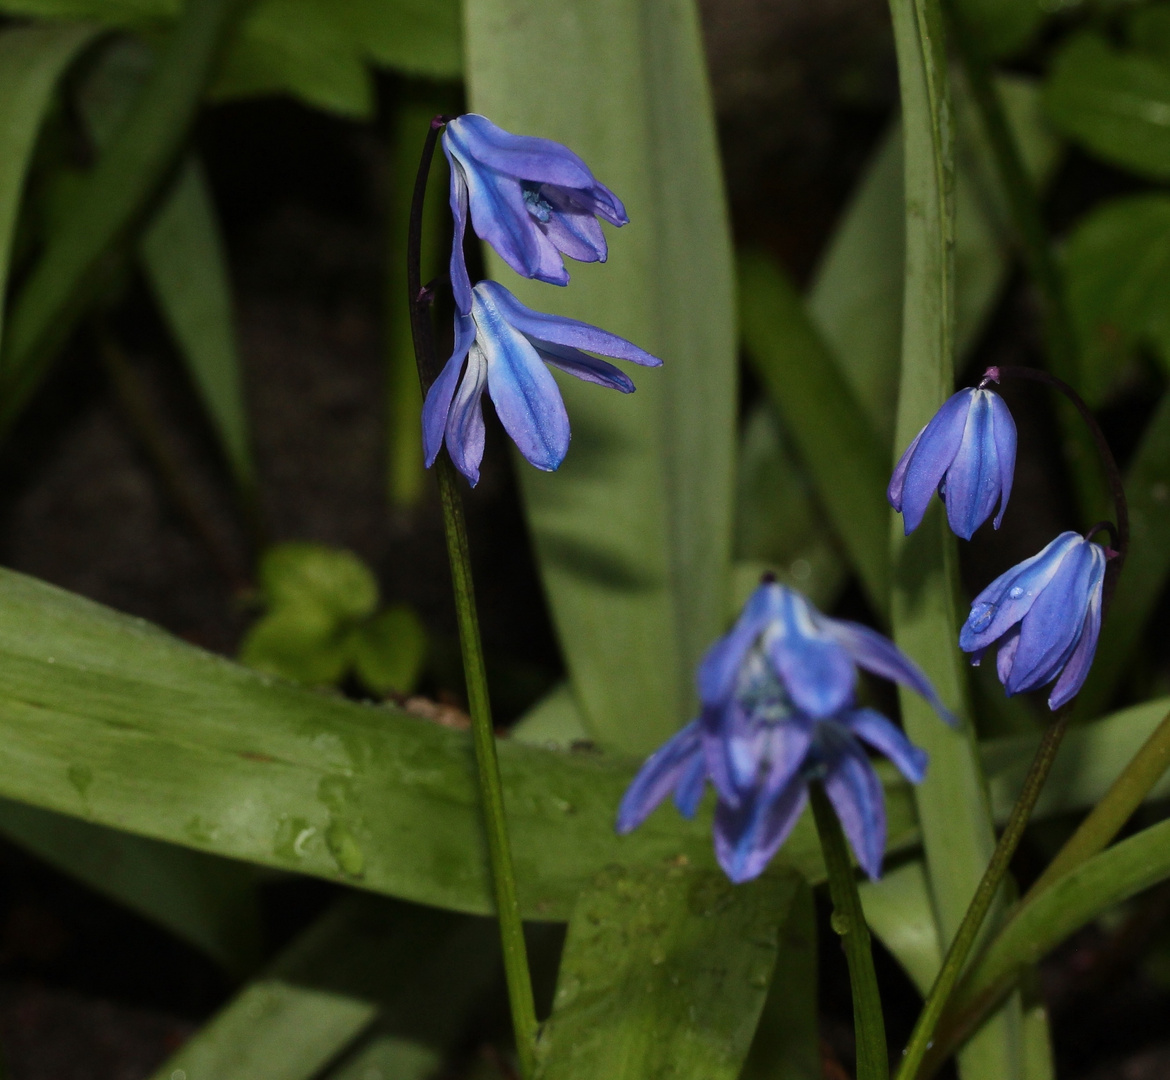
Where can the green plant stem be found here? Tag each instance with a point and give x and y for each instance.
(975, 997)
(483, 735)
(873, 1061)
(1023, 202)
(960, 948)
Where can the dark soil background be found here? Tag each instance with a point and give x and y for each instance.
(91, 992)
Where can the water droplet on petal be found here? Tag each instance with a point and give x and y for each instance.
(1016, 592)
(981, 616)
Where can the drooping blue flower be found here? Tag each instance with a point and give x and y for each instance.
(778, 710)
(506, 346)
(532, 199)
(967, 453)
(1045, 613)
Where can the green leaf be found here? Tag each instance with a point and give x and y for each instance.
(409, 969)
(899, 912)
(301, 642)
(1003, 27)
(112, 201)
(32, 59)
(957, 832)
(187, 269)
(389, 650)
(1148, 30)
(633, 534)
(107, 12)
(837, 445)
(1117, 263)
(664, 972)
(303, 574)
(416, 37)
(786, 1045)
(1115, 104)
(210, 903)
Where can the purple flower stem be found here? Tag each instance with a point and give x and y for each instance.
(491, 787)
(873, 1060)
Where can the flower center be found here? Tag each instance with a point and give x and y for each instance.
(538, 206)
(760, 692)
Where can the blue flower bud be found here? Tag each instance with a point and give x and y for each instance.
(778, 711)
(967, 453)
(506, 346)
(532, 199)
(1045, 613)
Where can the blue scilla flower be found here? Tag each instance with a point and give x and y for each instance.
(506, 346)
(1045, 614)
(778, 710)
(532, 199)
(967, 453)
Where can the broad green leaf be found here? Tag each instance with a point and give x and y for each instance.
(389, 650)
(211, 903)
(1003, 27)
(107, 12)
(837, 444)
(899, 911)
(416, 37)
(1117, 272)
(856, 295)
(304, 573)
(957, 831)
(111, 202)
(187, 269)
(1115, 104)
(664, 972)
(389, 1057)
(413, 970)
(554, 722)
(32, 59)
(633, 534)
(1148, 31)
(786, 1045)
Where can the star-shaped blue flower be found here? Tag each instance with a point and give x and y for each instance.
(502, 347)
(532, 199)
(1045, 613)
(778, 710)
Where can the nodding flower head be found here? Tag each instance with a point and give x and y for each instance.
(779, 711)
(532, 199)
(967, 453)
(506, 346)
(1045, 614)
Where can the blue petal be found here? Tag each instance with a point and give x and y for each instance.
(880, 656)
(438, 402)
(658, 777)
(1011, 595)
(465, 429)
(719, 667)
(688, 792)
(1076, 670)
(888, 739)
(937, 445)
(746, 838)
(583, 366)
(527, 399)
(972, 481)
(527, 157)
(898, 479)
(1006, 655)
(562, 331)
(817, 672)
(1004, 433)
(1049, 633)
(460, 280)
(856, 795)
(571, 228)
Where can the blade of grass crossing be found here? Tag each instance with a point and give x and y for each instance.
(633, 534)
(952, 802)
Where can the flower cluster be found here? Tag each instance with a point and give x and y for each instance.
(779, 710)
(534, 201)
(1045, 613)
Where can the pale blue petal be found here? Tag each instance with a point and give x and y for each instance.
(817, 672)
(460, 280)
(856, 795)
(562, 331)
(572, 228)
(972, 481)
(438, 402)
(937, 445)
(658, 777)
(1004, 433)
(887, 738)
(880, 656)
(465, 428)
(527, 399)
(1011, 595)
(718, 670)
(583, 366)
(747, 837)
(1076, 670)
(527, 157)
